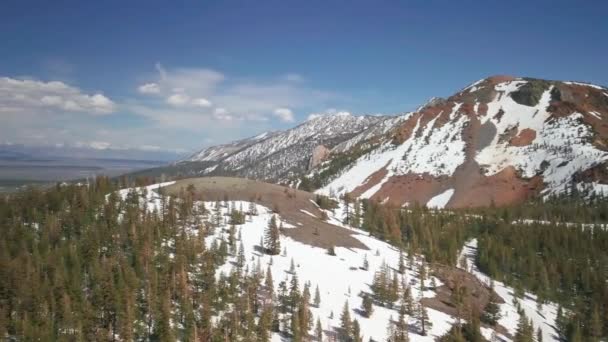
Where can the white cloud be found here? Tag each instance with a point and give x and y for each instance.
(284, 114)
(96, 145)
(32, 96)
(195, 97)
(222, 114)
(178, 100)
(201, 102)
(183, 100)
(329, 111)
(149, 88)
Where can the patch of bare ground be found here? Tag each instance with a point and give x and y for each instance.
(525, 137)
(598, 173)
(478, 293)
(405, 130)
(411, 188)
(288, 202)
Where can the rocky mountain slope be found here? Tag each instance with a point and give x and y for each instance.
(278, 156)
(500, 140)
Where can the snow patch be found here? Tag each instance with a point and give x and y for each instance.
(440, 201)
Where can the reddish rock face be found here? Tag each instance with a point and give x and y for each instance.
(512, 126)
(319, 154)
(525, 137)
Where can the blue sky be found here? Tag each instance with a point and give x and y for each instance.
(185, 74)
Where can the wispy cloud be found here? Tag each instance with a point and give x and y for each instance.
(284, 114)
(32, 96)
(191, 97)
(173, 109)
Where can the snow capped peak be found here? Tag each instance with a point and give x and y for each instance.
(277, 155)
(501, 139)
(433, 101)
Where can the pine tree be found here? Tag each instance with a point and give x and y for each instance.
(319, 330)
(356, 334)
(317, 300)
(294, 293)
(401, 266)
(423, 319)
(295, 327)
(232, 239)
(365, 263)
(253, 211)
(561, 323)
(305, 317)
(345, 323)
(292, 267)
(539, 335)
(306, 293)
(422, 275)
(367, 306)
(272, 243)
(491, 312)
(400, 331)
(525, 331)
(240, 259)
(408, 301)
(576, 334)
(595, 325)
(268, 281)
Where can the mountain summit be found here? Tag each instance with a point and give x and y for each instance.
(500, 140)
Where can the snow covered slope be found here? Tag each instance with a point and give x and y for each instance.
(341, 278)
(543, 318)
(501, 139)
(278, 155)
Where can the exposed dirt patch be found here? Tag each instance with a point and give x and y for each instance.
(405, 130)
(598, 173)
(502, 188)
(411, 188)
(289, 202)
(508, 134)
(478, 294)
(482, 109)
(525, 137)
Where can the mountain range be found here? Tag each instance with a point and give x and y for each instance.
(500, 140)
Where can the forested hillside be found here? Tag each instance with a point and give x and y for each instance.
(83, 263)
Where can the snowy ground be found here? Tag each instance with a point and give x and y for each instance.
(341, 278)
(545, 319)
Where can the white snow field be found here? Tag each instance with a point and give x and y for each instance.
(440, 201)
(341, 279)
(434, 150)
(564, 143)
(544, 319)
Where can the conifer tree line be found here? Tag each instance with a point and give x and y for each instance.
(556, 249)
(99, 267)
(80, 263)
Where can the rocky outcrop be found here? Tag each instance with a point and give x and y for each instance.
(319, 154)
